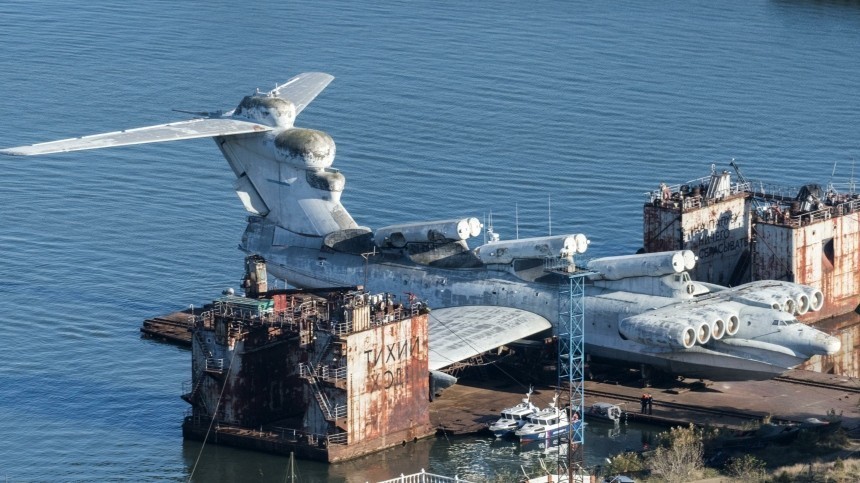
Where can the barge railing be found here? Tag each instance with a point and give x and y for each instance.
(424, 477)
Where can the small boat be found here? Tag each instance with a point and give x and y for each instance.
(546, 424)
(767, 434)
(605, 411)
(819, 426)
(514, 417)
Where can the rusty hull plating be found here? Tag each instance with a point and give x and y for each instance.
(751, 231)
(330, 376)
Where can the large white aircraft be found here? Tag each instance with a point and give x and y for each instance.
(640, 309)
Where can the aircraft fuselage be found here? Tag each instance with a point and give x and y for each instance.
(311, 266)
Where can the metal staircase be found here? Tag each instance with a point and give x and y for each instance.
(334, 414)
(210, 365)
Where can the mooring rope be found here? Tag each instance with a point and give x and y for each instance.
(214, 413)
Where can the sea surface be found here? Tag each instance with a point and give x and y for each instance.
(553, 116)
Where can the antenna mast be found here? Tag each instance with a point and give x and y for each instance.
(852, 176)
(485, 231)
(549, 209)
(517, 219)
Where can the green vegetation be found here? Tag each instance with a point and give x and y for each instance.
(679, 457)
(625, 464)
(747, 468)
(815, 455)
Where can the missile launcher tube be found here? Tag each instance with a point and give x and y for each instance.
(689, 259)
(506, 251)
(642, 265)
(429, 231)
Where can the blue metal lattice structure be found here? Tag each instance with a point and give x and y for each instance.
(571, 357)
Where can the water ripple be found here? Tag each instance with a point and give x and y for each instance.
(438, 109)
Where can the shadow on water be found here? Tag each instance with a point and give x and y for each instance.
(468, 457)
(221, 463)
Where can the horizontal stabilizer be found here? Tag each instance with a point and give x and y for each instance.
(191, 129)
(458, 333)
(303, 88)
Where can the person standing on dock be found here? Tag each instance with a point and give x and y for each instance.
(644, 401)
(650, 401)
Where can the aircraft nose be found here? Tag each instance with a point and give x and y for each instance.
(827, 345)
(834, 345)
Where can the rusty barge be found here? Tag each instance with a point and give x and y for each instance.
(743, 231)
(328, 376)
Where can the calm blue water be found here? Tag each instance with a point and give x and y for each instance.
(439, 109)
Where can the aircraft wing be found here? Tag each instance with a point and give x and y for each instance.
(458, 333)
(303, 88)
(194, 128)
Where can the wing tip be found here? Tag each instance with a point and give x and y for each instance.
(19, 151)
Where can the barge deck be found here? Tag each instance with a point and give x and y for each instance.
(467, 408)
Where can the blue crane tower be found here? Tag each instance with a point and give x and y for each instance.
(571, 360)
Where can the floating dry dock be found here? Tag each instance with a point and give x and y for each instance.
(328, 376)
(462, 409)
(743, 231)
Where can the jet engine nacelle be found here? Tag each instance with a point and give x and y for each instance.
(806, 298)
(776, 299)
(561, 246)
(661, 331)
(642, 265)
(424, 232)
(724, 317)
(714, 323)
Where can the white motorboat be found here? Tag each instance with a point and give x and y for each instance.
(605, 411)
(514, 417)
(547, 424)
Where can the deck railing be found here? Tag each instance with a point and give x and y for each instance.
(424, 477)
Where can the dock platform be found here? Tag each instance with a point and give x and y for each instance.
(174, 328)
(464, 408)
(468, 408)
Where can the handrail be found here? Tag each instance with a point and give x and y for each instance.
(424, 477)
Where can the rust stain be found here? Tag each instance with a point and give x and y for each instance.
(808, 237)
(344, 372)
